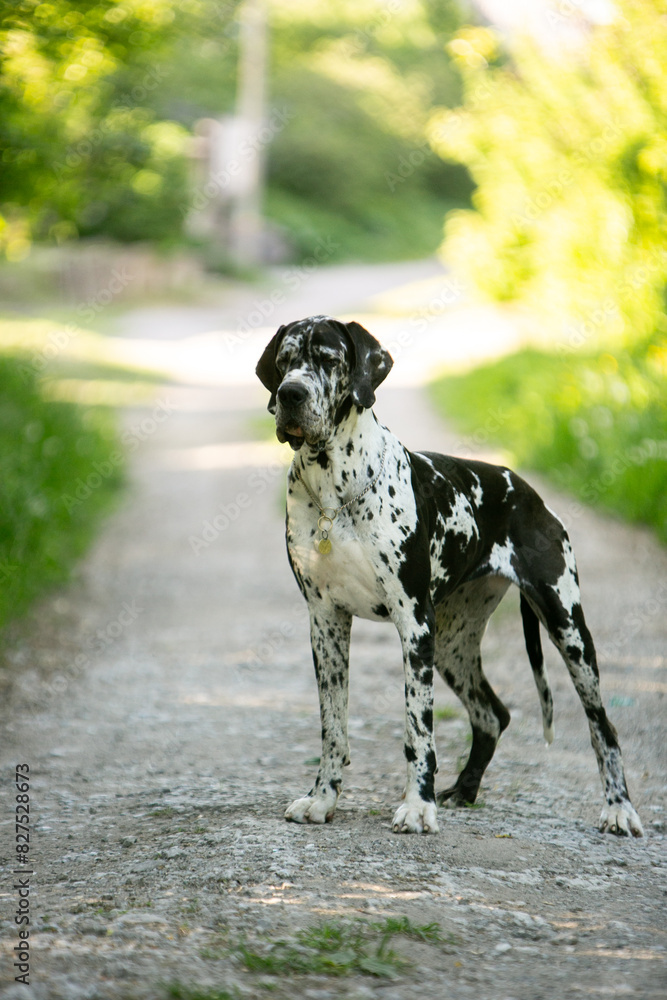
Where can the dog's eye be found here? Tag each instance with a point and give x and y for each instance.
(324, 356)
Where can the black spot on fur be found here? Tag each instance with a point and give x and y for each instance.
(582, 628)
(598, 716)
(343, 410)
(426, 787)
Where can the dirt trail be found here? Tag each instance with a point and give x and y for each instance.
(166, 705)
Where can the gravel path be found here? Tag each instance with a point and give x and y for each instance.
(166, 706)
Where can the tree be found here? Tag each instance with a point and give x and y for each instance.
(569, 153)
(86, 148)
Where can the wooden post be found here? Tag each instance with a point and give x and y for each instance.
(246, 216)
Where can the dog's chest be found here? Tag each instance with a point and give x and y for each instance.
(347, 575)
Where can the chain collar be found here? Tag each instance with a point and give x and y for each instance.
(329, 514)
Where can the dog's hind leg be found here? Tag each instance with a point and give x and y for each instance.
(557, 602)
(461, 621)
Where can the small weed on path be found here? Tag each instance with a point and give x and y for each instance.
(177, 992)
(447, 713)
(335, 948)
(340, 949)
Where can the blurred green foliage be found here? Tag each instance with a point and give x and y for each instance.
(60, 466)
(596, 427)
(569, 223)
(84, 150)
(569, 153)
(99, 99)
(359, 81)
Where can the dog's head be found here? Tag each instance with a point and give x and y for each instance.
(316, 370)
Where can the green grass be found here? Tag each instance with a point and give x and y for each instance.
(595, 424)
(446, 713)
(340, 949)
(175, 991)
(61, 467)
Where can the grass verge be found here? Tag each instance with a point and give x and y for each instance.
(595, 424)
(61, 467)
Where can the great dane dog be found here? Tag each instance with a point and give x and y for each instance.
(430, 543)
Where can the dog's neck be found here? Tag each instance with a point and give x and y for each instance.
(341, 467)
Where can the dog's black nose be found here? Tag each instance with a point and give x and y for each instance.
(291, 394)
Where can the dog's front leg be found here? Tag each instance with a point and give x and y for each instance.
(330, 639)
(417, 813)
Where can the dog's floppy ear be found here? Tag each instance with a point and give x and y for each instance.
(266, 370)
(372, 364)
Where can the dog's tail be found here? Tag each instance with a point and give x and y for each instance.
(531, 632)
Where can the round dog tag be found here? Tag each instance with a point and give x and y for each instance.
(324, 546)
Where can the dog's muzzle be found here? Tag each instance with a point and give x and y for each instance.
(289, 426)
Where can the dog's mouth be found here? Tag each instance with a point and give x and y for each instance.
(292, 434)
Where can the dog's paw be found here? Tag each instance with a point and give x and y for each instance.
(416, 817)
(621, 819)
(311, 809)
(453, 798)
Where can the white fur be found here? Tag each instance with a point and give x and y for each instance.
(500, 560)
